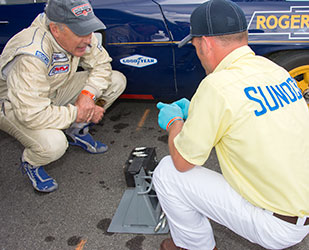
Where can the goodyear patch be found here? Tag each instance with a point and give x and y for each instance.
(294, 23)
(44, 58)
(138, 61)
(58, 69)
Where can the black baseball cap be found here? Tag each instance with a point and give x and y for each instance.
(78, 15)
(215, 18)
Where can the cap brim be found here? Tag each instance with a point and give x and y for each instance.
(184, 41)
(84, 28)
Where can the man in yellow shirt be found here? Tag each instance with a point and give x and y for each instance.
(253, 113)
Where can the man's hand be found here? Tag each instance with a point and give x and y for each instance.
(168, 114)
(184, 104)
(98, 114)
(85, 108)
(171, 119)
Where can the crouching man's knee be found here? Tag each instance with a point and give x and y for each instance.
(119, 83)
(56, 145)
(50, 146)
(162, 171)
(119, 80)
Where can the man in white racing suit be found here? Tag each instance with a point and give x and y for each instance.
(42, 94)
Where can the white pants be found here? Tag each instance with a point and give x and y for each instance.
(190, 198)
(43, 146)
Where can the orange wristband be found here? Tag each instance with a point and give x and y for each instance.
(89, 94)
(172, 120)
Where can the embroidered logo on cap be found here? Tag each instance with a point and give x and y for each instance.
(82, 9)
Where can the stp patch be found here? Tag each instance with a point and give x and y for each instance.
(58, 69)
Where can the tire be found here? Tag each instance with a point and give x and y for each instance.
(297, 63)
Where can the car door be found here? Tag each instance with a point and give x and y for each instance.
(138, 41)
(16, 15)
(188, 69)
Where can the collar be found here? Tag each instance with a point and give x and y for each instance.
(233, 57)
(40, 21)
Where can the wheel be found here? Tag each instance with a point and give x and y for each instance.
(297, 63)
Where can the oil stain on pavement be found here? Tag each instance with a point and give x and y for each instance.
(74, 240)
(163, 138)
(117, 117)
(103, 225)
(135, 243)
(103, 185)
(49, 238)
(120, 126)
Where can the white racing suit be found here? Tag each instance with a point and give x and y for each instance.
(39, 84)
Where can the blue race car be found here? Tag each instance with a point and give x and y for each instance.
(142, 37)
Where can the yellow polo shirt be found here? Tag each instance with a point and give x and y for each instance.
(253, 113)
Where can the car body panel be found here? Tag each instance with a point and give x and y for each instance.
(142, 37)
(137, 28)
(16, 17)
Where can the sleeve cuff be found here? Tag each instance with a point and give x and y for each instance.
(92, 90)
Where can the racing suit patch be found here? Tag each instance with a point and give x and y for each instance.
(58, 69)
(44, 58)
(59, 57)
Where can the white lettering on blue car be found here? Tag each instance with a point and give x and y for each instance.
(273, 97)
(293, 23)
(138, 61)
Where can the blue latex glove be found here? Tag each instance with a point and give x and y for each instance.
(184, 104)
(168, 114)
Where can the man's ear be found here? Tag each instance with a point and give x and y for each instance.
(205, 44)
(54, 29)
(208, 42)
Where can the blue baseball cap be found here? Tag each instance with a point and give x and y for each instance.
(216, 18)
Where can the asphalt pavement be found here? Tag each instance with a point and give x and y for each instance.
(77, 215)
